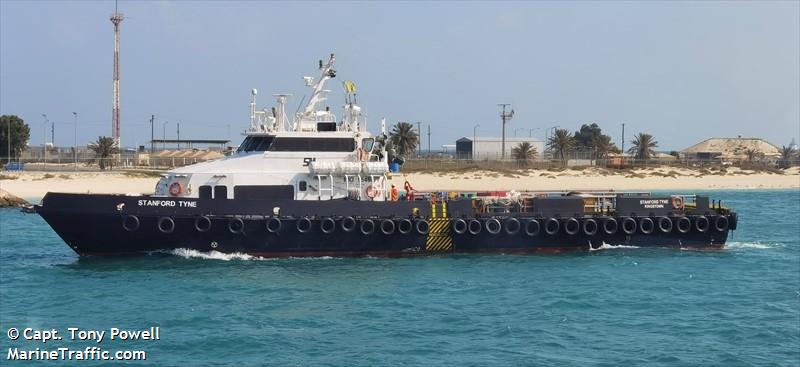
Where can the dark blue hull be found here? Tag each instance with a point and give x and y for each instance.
(105, 225)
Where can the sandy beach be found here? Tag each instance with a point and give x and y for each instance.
(33, 185)
(652, 179)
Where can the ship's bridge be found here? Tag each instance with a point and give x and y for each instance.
(313, 157)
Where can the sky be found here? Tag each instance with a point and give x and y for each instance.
(681, 71)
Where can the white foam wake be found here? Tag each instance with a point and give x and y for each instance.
(216, 255)
(211, 255)
(761, 246)
(608, 246)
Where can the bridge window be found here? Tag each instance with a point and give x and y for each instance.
(302, 186)
(263, 191)
(367, 144)
(292, 144)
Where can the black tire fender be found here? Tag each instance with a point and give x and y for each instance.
(327, 225)
(701, 224)
(274, 225)
(493, 226)
(404, 226)
(202, 223)
(460, 226)
(665, 224)
(303, 225)
(474, 227)
(512, 226)
(367, 227)
(169, 222)
(387, 226)
(130, 223)
(684, 224)
(235, 225)
(551, 226)
(349, 224)
(532, 227)
(629, 225)
(572, 226)
(721, 223)
(422, 226)
(590, 227)
(610, 226)
(646, 225)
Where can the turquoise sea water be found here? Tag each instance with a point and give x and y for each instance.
(613, 307)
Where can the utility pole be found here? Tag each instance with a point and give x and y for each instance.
(429, 140)
(76, 140)
(179, 136)
(44, 138)
(164, 135)
(505, 117)
(419, 135)
(53, 133)
(474, 129)
(152, 144)
(623, 139)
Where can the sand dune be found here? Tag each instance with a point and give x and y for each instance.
(33, 185)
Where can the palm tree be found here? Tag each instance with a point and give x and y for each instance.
(403, 138)
(786, 156)
(103, 149)
(786, 152)
(523, 153)
(561, 142)
(751, 154)
(643, 145)
(603, 146)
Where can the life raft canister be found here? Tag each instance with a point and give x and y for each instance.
(175, 188)
(677, 202)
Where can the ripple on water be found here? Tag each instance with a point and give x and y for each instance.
(614, 306)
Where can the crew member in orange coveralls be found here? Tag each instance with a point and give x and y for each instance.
(394, 193)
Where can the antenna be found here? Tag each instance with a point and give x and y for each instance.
(300, 105)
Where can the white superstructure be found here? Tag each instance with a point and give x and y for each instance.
(313, 156)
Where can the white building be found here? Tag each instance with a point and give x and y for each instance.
(491, 147)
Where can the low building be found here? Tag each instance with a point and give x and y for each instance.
(490, 148)
(731, 149)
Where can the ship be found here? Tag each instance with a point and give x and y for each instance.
(315, 184)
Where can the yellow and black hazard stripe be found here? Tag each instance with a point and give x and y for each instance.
(439, 238)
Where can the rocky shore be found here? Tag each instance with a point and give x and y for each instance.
(10, 201)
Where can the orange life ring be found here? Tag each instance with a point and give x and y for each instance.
(677, 202)
(175, 188)
(371, 193)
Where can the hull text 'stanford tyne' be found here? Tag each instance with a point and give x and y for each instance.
(313, 184)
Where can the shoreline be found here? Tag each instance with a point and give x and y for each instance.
(32, 186)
